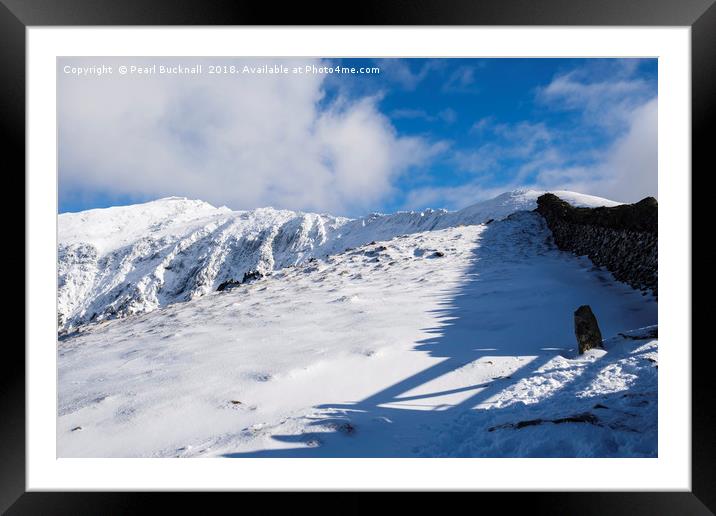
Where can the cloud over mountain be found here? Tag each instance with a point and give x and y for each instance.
(240, 140)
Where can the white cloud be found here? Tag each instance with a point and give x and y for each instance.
(461, 80)
(401, 72)
(607, 100)
(447, 115)
(409, 113)
(632, 165)
(482, 124)
(606, 95)
(450, 197)
(240, 140)
(625, 171)
(524, 140)
(624, 105)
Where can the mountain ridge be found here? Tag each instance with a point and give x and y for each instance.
(125, 260)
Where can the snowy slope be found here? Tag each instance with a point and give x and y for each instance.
(133, 259)
(441, 342)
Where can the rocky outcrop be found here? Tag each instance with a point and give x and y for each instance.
(249, 277)
(623, 238)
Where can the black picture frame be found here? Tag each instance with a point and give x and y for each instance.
(16, 15)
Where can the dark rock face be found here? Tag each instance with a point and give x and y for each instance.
(249, 277)
(252, 276)
(584, 417)
(586, 329)
(227, 284)
(376, 251)
(622, 238)
(641, 334)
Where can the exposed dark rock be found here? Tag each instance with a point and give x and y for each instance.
(585, 417)
(252, 276)
(347, 429)
(650, 333)
(641, 216)
(488, 221)
(586, 329)
(248, 278)
(375, 252)
(623, 239)
(437, 254)
(227, 284)
(344, 428)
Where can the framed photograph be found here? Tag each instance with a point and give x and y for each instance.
(431, 249)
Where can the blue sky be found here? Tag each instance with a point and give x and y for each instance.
(421, 133)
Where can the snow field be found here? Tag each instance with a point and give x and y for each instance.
(447, 342)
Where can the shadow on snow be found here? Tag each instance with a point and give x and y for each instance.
(516, 300)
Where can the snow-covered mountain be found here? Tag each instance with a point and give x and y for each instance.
(126, 260)
(443, 342)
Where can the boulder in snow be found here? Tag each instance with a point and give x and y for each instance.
(586, 329)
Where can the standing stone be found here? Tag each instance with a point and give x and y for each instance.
(586, 329)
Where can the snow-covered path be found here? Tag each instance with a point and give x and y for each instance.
(439, 343)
